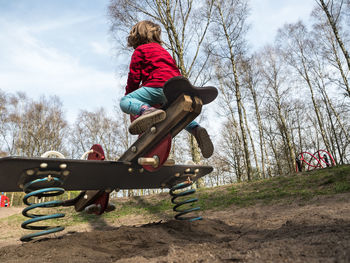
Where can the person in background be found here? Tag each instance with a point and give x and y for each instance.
(4, 200)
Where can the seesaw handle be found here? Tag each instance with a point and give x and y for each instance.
(154, 161)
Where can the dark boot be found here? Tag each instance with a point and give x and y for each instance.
(147, 119)
(203, 140)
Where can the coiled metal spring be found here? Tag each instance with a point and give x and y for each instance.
(43, 187)
(178, 203)
(45, 192)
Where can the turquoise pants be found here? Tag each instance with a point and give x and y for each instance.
(132, 102)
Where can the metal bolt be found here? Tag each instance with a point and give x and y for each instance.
(65, 173)
(177, 175)
(141, 170)
(63, 166)
(188, 170)
(85, 196)
(30, 172)
(21, 186)
(130, 170)
(153, 129)
(196, 171)
(156, 158)
(43, 165)
(134, 149)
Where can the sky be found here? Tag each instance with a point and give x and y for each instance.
(63, 48)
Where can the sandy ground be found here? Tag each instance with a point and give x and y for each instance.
(315, 231)
(5, 212)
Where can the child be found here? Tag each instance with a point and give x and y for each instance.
(150, 67)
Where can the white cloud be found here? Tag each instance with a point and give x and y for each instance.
(36, 67)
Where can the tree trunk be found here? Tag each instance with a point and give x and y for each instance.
(340, 67)
(237, 92)
(333, 25)
(252, 143)
(260, 128)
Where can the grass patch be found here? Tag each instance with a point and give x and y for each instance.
(301, 186)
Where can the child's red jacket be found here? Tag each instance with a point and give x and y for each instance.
(151, 66)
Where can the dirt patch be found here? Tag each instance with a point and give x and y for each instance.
(8, 211)
(312, 231)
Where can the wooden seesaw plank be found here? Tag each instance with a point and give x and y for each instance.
(92, 175)
(181, 112)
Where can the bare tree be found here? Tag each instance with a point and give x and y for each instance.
(297, 48)
(3, 116)
(251, 77)
(271, 137)
(229, 152)
(230, 27)
(321, 70)
(97, 128)
(275, 76)
(226, 99)
(332, 10)
(327, 44)
(33, 127)
(11, 110)
(332, 71)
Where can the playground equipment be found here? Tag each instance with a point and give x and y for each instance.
(182, 212)
(319, 159)
(4, 200)
(144, 165)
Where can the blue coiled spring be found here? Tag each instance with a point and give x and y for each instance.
(30, 191)
(182, 212)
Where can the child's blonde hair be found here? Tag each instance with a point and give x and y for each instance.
(144, 32)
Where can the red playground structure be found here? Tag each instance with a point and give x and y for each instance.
(4, 200)
(319, 159)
